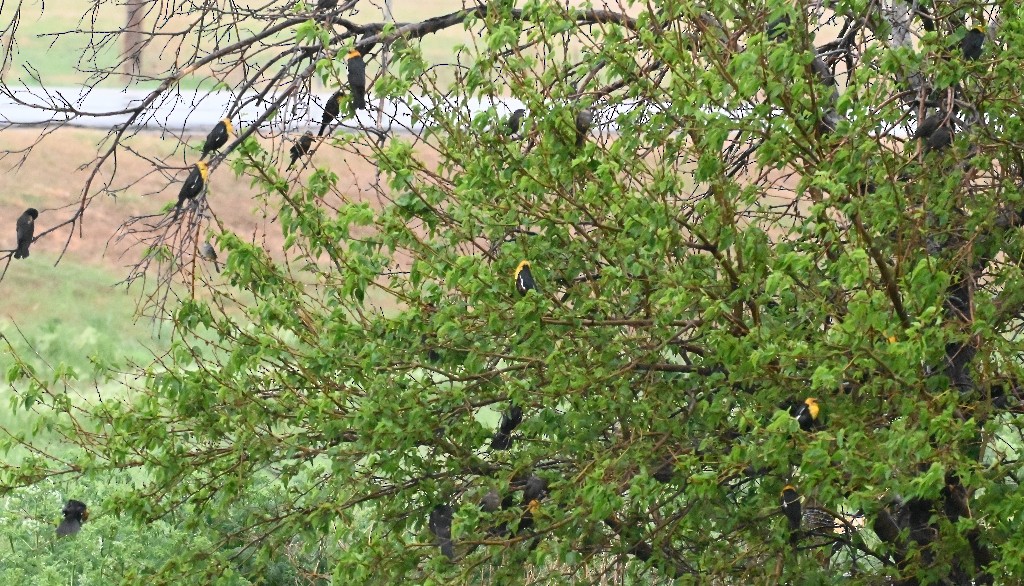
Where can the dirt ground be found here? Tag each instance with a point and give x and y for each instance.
(53, 176)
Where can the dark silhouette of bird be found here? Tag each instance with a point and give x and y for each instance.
(536, 488)
(207, 252)
(75, 513)
(510, 419)
(778, 29)
(25, 228)
(791, 509)
(939, 140)
(356, 79)
(971, 45)
(301, 147)
(331, 110)
(218, 137)
(440, 523)
(524, 278)
(193, 185)
(515, 121)
(806, 414)
(584, 119)
(326, 4)
(930, 124)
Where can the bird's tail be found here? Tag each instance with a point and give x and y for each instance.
(359, 100)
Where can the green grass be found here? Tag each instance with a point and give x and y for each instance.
(71, 314)
(61, 60)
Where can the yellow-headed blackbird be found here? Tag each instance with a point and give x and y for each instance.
(326, 4)
(791, 507)
(206, 252)
(75, 513)
(510, 419)
(218, 137)
(536, 489)
(357, 79)
(524, 278)
(515, 121)
(193, 185)
(806, 414)
(940, 139)
(331, 110)
(584, 119)
(301, 147)
(972, 42)
(25, 228)
(440, 523)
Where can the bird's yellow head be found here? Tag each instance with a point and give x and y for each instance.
(523, 265)
(204, 170)
(980, 28)
(85, 515)
(228, 126)
(533, 506)
(353, 54)
(812, 407)
(788, 488)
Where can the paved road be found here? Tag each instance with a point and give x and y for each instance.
(183, 110)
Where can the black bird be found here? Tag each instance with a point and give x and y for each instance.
(75, 513)
(326, 4)
(806, 414)
(584, 119)
(218, 137)
(515, 121)
(510, 419)
(331, 110)
(930, 124)
(25, 228)
(301, 147)
(972, 42)
(356, 79)
(940, 139)
(193, 185)
(536, 489)
(206, 252)
(778, 29)
(440, 523)
(524, 278)
(791, 509)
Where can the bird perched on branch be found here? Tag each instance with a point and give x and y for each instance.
(75, 513)
(515, 121)
(25, 228)
(536, 488)
(806, 414)
(930, 124)
(206, 252)
(440, 523)
(356, 79)
(938, 140)
(971, 45)
(584, 119)
(218, 137)
(331, 110)
(301, 147)
(510, 419)
(193, 185)
(524, 278)
(791, 509)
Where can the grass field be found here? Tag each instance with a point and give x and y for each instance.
(51, 37)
